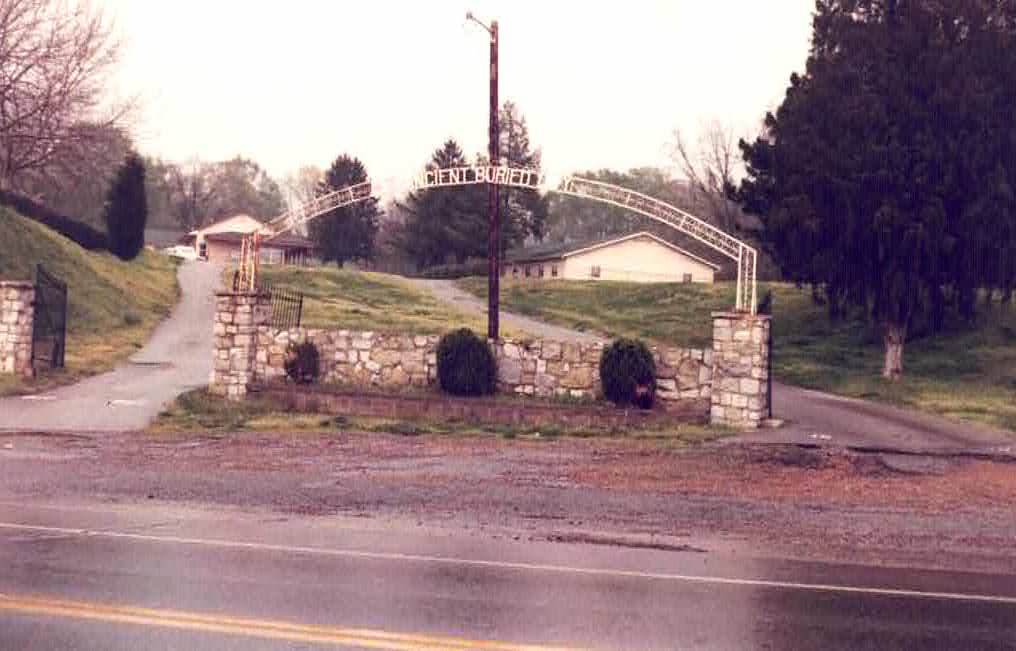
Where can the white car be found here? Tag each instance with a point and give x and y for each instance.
(182, 251)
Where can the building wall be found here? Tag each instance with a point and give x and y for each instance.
(552, 270)
(227, 252)
(639, 260)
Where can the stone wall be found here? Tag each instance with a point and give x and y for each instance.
(729, 381)
(740, 396)
(17, 311)
(237, 319)
(540, 368)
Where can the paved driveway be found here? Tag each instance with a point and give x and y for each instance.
(812, 417)
(816, 417)
(178, 357)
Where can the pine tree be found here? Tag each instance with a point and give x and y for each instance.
(348, 233)
(885, 177)
(127, 209)
(523, 212)
(443, 222)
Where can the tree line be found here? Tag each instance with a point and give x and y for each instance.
(885, 179)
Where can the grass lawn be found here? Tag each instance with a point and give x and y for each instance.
(965, 372)
(112, 305)
(357, 300)
(199, 412)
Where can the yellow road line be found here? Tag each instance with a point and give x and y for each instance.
(270, 629)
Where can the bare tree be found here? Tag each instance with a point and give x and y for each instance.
(710, 167)
(192, 192)
(301, 186)
(76, 180)
(56, 57)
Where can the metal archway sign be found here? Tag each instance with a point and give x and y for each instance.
(719, 240)
(246, 279)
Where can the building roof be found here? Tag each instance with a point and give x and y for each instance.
(283, 241)
(160, 237)
(560, 250)
(235, 224)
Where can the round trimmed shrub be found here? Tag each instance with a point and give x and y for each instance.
(628, 373)
(465, 364)
(303, 364)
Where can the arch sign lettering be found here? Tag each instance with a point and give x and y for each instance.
(720, 241)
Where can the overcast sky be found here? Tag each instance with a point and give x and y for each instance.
(298, 82)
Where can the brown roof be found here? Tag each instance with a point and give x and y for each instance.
(283, 241)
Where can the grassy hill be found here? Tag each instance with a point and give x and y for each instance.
(113, 305)
(966, 372)
(355, 300)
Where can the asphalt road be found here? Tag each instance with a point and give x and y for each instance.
(176, 358)
(87, 577)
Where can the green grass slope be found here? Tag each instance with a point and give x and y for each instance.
(967, 372)
(357, 300)
(113, 305)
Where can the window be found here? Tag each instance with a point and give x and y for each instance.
(686, 278)
(203, 250)
(595, 271)
(528, 271)
(540, 271)
(553, 271)
(234, 255)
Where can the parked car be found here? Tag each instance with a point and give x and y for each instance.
(182, 251)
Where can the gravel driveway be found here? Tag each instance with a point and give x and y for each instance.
(177, 357)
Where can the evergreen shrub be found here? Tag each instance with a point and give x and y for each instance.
(303, 363)
(628, 373)
(465, 364)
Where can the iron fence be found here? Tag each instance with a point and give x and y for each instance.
(49, 329)
(287, 307)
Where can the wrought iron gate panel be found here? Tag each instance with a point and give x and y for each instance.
(49, 329)
(287, 307)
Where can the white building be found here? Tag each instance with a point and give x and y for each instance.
(639, 257)
(221, 242)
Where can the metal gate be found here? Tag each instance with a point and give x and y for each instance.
(49, 331)
(287, 307)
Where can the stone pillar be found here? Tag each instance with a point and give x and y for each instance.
(237, 319)
(740, 391)
(17, 314)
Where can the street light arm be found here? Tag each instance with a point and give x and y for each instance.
(471, 17)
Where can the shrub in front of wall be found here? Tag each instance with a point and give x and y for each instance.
(465, 364)
(628, 373)
(303, 363)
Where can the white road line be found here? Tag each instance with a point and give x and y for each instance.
(533, 567)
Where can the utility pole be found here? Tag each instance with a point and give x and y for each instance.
(494, 201)
(493, 193)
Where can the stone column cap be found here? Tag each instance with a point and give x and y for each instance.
(17, 284)
(730, 314)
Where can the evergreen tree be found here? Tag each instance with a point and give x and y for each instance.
(885, 177)
(346, 233)
(523, 212)
(127, 209)
(449, 221)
